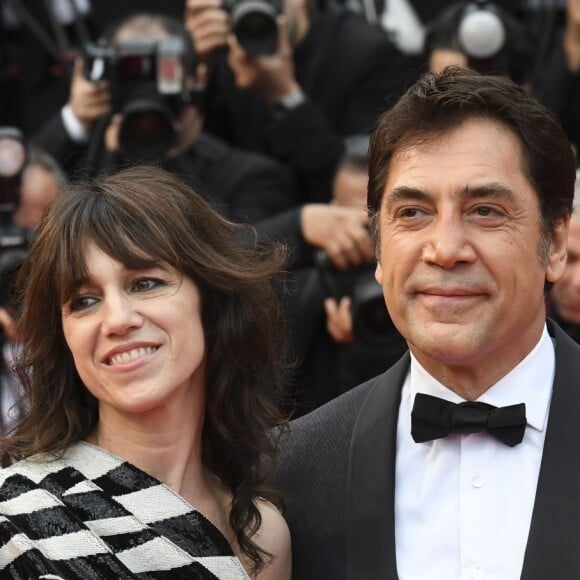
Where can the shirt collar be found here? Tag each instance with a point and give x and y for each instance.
(530, 382)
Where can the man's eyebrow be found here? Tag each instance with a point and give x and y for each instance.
(493, 190)
(405, 193)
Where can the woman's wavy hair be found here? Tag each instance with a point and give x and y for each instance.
(142, 216)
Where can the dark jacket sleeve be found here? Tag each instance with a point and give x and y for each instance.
(285, 227)
(311, 472)
(53, 138)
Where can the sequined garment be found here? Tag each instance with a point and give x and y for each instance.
(90, 515)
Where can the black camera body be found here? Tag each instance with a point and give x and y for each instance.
(13, 158)
(372, 324)
(14, 240)
(481, 30)
(149, 88)
(493, 40)
(255, 24)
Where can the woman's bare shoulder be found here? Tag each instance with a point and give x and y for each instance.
(274, 538)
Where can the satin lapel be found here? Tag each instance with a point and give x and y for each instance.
(553, 546)
(370, 518)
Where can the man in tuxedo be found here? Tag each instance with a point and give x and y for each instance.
(461, 461)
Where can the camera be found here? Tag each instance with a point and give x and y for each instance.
(14, 240)
(13, 158)
(254, 23)
(481, 31)
(372, 324)
(491, 37)
(148, 87)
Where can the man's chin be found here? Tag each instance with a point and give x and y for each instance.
(448, 342)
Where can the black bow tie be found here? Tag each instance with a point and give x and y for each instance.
(434, 418)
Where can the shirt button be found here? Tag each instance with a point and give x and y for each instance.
(477, 482)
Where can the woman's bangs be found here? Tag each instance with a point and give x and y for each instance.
(132, 247)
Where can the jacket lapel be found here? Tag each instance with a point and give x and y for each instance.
(370, 518)
(552, 550)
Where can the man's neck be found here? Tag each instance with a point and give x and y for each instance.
(472, 379)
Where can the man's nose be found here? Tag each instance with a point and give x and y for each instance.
(448, 243)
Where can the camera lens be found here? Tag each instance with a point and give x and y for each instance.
(254, 24)
(146, 131)
(371, 320)
(13, 156)
(12, 153)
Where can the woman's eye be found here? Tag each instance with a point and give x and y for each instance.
(81, 303)
(144, 284)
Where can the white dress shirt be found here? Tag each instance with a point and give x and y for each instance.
(463, 504)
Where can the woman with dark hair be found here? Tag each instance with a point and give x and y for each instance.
(150, 345)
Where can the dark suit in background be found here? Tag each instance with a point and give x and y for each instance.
(242, 185)
(350, 73)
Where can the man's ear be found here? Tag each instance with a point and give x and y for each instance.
(379, 273)
(557, 254)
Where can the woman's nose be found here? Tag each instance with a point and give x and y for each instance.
(119, 315)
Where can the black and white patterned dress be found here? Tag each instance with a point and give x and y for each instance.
(91, 515)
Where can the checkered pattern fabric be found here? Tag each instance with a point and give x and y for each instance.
(91, 515)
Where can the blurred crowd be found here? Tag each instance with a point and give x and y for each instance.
(265, 108)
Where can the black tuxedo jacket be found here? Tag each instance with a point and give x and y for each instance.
(338, 471)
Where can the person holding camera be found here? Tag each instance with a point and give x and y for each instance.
(31, 187)
(557, 82)
(490, 37)
(119, 113)
(296, 84)
(564, 298)
(39, 41)
(343, 335)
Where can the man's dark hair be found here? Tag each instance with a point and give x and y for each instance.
(438, 104)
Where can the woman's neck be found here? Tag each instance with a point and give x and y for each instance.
(165, 443)
(175, 460)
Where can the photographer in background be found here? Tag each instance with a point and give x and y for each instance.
(32, 182)
(39, 40)
(119, 114)
(489, 37)
(344, 334)
(294, 88)
(564, 298)
(557, 83)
